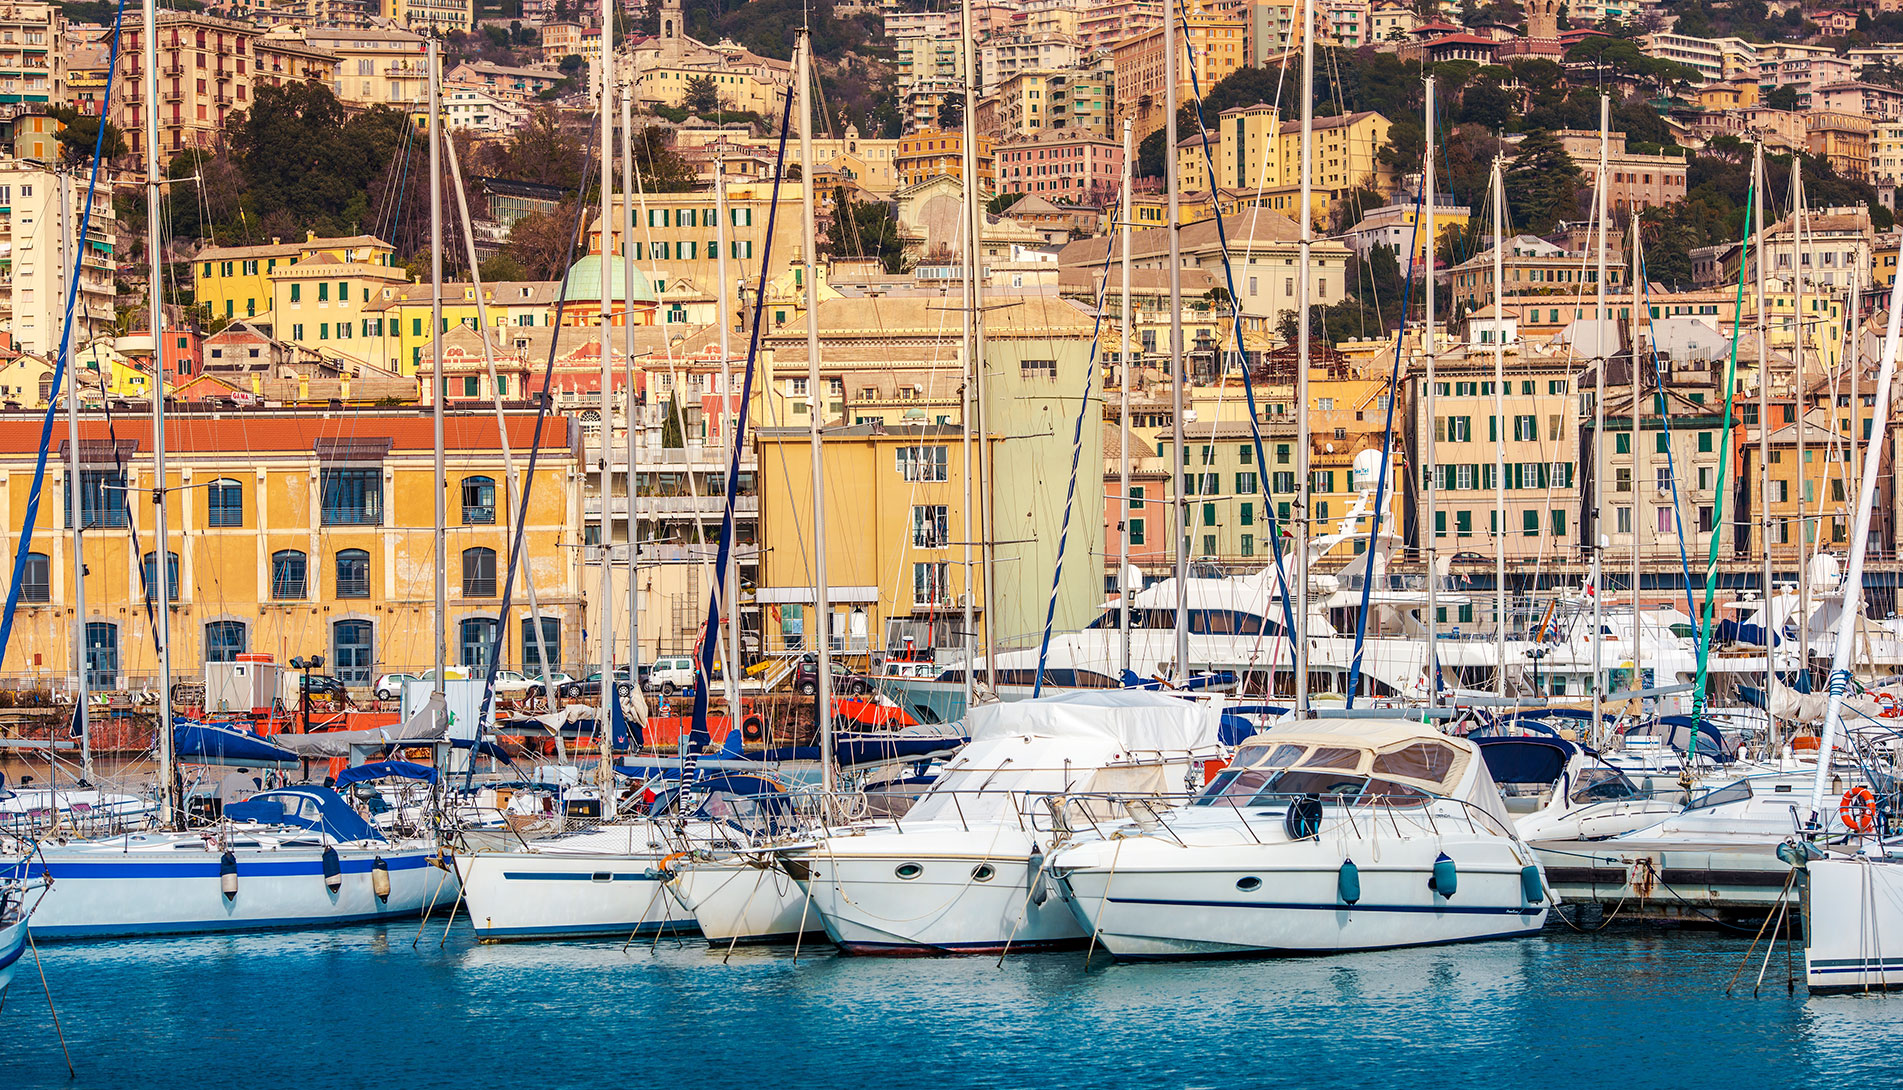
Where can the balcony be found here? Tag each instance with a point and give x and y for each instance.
(173, 95)
(222, 98)
(172, 70)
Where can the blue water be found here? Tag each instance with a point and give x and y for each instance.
(360, 1008)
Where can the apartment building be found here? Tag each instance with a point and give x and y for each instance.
(282, 60)
(1712, 58)
(206, 67)
(1256, 151)
(923, 156)
(1659, 493)
(1030, 102)
(34, 277)
(1841, 139)
(30, 56)
(435, 17)
(375, 67)
(1870, 100)
(1634, 181)
(1003, 57)
(1530, 266)
(1059, 166)
(287, 539)
(1101, 25)
(1215, 43)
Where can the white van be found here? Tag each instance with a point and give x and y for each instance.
(671, 675)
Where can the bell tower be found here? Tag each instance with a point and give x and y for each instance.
(671, 29)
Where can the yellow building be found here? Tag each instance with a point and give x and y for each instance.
(236, 281)
(740, 91)
(1217, 41)
(1259, 152)
(932, 154)
(895, 505)
(292, 533)
(320, 301)
(439, 16)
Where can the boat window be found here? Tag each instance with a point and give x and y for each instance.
(1601, 785)
(1281, 755)
(1332, 757)
(1427, 761)
(1235, 783)
(1289, 784)
(1392, 794)
(1731, 792)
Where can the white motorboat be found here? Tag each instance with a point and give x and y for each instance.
(743, 898)
(1557, 789)
(17, 901)
(289, 857)
(963, 871)
(1853, 921)
(1322, 837)
(610, 880)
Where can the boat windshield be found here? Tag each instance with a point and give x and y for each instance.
(1601, 785)
(1241, 787)
(1740, 791)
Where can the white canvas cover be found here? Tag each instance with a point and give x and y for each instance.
(1139, 721)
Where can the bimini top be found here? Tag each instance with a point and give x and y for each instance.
(1136, 721)
(318, 809)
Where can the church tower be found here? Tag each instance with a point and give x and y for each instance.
(672, 30)
(1542, 20)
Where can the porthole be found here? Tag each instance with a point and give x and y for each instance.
(983, 872)
(909, 871)
(1249, 884)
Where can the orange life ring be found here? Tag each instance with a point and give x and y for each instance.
(1859, 809)
(1887, 706)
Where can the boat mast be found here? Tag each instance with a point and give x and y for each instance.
(971, 411)
(440, 637)
(975, 296)
(1430, 480)
(1303, 286)
(1764, 443)
(728, 426)
(627, 374)
(1639, 466)
(1805, 528)
(1500, 447)
(1123, 439)
(1852, 334)
(1181, 498)
(822, 605)
(1859, 544)
(171, 807)
(605, 640)
(74, 519)
(1596, 540)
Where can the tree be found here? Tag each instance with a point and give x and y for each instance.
(661, 168)
(672, 437)
(80, 131)
(1488, 105)
(1002, 203)
(502, 268)
(540, 242)
(951, 113)
(1542, 185)
(864, 229)
(1781, 97)
(702, 95)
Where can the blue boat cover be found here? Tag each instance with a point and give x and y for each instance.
(1526, 759)
(225, 744)
(386, 770)
(318, 809)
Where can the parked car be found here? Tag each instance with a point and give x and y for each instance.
(670, 675)
(325, 687)
(590, 685)
(514, 685)
(390, 686)
(845, 682)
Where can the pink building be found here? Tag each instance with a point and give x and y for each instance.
(1060, 167)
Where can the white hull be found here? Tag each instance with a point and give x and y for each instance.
(946, 908)
(162, 884)
(1853, 933)
(1156, 899)
(738, 901)
(603, 883)
(12, 951)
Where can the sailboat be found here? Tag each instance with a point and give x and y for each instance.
(289, 857)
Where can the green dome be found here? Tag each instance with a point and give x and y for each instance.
(584, 281)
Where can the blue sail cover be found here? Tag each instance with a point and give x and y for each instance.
(225, 744)
(1526, 759)
(318, 809)
(386, 770)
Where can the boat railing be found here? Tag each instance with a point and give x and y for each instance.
(1109, 815)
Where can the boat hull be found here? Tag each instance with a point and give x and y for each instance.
(1158, 900)
(1853, 933)
(12, 949)
(744, 902)
(98, 892)
(868, 909)
(526, 895)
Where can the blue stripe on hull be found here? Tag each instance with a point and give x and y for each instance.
(201, 927)
(565, 876)
(64, 870)
(1436, 910)
(587, 930)
(13, 955)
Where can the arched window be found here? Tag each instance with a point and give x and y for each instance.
(102, 655)
(224, 641)
(287, 575)
(36, 579)
(353, 573)
(150, 568)
(478, 637)
(479, 501)
(224, 503)
(352, 651)
(479, 573)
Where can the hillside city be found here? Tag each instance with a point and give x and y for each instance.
(296, 362)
